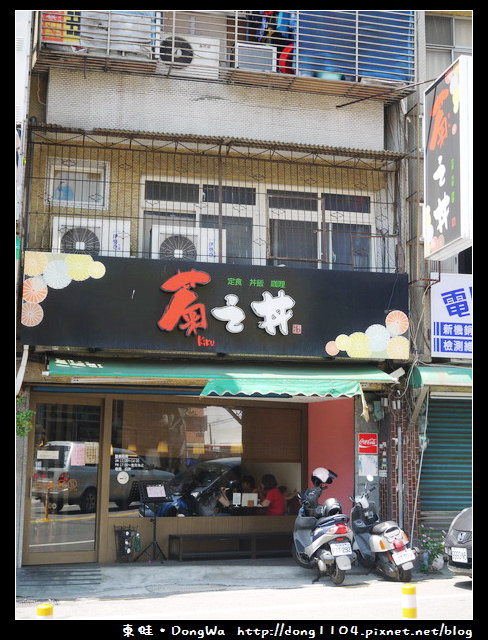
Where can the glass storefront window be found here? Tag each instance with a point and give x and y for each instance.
(64, 478)
(195, 451)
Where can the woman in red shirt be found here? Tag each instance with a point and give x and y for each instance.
(273, 499)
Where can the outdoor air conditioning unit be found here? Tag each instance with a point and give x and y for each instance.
(189, 56)
(255, 57)
(91, 235)
(171, 242)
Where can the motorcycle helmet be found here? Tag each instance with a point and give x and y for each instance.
(331, 507)
(320, 475)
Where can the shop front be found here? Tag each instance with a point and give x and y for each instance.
(444, 412)
(96, 446)
(215, 405)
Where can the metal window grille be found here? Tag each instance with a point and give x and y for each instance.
(240, 206)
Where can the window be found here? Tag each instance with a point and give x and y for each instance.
(207, 447)
(74, 183)
(177, 213)
(347, 244)
(293, 243)
(172, 191)
(446, 39)
(328, 230)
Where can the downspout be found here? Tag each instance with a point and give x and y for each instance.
(21, 372)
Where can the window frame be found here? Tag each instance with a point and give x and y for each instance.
(177, 211)
(452, 48)
(324, 221)
(80, 167)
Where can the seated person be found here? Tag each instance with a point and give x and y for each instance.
(291, 498)
(273, 499)
(224, 498)
(248, 485)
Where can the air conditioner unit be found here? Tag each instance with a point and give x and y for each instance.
(255, 57)
(121, 31)
(189, 56)
(91, 235)
(172, 242)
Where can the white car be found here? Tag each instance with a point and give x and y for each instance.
(458, 543)
(68, 471)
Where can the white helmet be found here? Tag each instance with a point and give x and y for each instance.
(320, 475)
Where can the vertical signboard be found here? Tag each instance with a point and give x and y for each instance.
(447, 216)
(451, 316)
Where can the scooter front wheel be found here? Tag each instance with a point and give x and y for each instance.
(301, 562)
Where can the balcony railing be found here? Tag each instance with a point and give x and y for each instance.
(130, 196)
(344, 52)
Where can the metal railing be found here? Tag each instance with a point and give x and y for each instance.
(90, 195)
(365, 46)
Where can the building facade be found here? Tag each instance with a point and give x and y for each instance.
(219, 266)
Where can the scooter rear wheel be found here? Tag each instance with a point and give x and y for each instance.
(337, 575)
(301, 562)
(404, 575)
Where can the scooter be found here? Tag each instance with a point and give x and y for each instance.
(380, 545)
(322, 539)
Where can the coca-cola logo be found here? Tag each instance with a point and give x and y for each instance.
(368, 443)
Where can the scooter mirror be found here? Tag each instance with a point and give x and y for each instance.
(369, 478)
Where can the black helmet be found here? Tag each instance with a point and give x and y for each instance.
(331, 507)
(320, 475)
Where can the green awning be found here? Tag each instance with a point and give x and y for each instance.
(447, 377)
(225, 379)
(291, 383)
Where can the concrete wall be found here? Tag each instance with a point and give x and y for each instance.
(166, 105)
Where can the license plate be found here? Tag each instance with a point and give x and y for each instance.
(400, 557)
(459, 555)
(341, 549)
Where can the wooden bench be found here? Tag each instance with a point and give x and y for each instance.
(248, 545)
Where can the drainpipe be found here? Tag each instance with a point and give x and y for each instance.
(21, 372)
(400, 476)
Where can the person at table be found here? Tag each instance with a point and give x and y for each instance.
(273, 499)
(248, 485)
(224, 499)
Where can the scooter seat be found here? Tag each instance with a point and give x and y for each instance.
(335, 519)
(381, 527)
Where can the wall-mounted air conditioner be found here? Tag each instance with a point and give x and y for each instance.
(172, 242)
(255, 57)
(190, 56)
(91, 235)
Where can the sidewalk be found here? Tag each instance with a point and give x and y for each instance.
(147, 579)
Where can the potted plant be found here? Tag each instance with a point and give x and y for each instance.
(431, 549)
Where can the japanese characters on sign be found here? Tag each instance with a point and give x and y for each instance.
(447, 211)
(452, 324)
(192, 307)
(275, 311)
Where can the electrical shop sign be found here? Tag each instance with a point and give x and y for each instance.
(189, 307)
(451, 313)
(448, 207)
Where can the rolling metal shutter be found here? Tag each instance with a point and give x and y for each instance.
(446, 476)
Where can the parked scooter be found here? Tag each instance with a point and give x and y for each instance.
(322, 539)
(380, 545)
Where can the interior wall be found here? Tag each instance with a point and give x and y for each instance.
(331, 445)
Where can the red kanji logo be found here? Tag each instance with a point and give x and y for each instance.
(181, 306)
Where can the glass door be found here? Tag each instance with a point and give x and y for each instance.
(64, 483)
